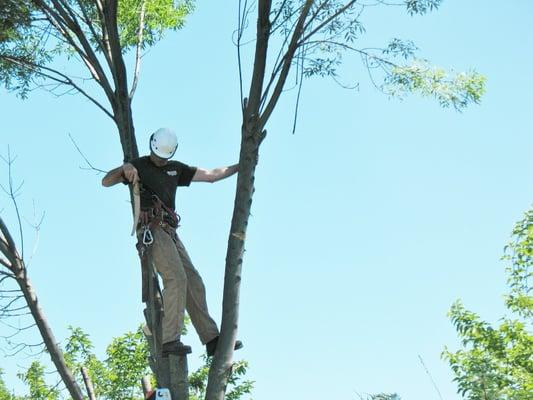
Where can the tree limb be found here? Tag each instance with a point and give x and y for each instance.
(6, 252)
(9, 239)
(66, 80)
(327, 21)
(293, 45)
(261, 50)
(62, 17)
(138, 50)
(88, 383)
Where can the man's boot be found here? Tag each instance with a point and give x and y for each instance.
(211, 346)
(175, 347)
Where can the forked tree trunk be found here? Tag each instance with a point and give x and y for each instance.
(221, 367)
(252, 135)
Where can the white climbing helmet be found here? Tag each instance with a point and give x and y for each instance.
(163, 143)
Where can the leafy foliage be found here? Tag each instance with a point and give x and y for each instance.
(519, 254)
(4, 393)
(236, 387)
(160, 16)
(384, 396)
(118, 376)
(399, 48)
(34, 378)
(421, 6)
(14, 17)
(457, 90)
(29, 41)
(496, 363)
(331, 32)
(20, 46)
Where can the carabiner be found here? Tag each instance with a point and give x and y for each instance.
(148, 239)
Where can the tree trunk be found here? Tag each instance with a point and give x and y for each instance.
(46, 333)
(221, 367)
(171, 372)
(88, 383)
(124, 121)
(252, 135)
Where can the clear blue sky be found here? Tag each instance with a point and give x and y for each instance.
(367, 223)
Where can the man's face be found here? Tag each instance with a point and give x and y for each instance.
(157, 160)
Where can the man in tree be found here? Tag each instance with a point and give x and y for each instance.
(158, 179)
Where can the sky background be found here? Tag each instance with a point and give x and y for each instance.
(367, 223)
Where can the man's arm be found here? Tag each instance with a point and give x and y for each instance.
(213, 175)
(125, 172)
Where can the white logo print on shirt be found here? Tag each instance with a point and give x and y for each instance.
(172, 173)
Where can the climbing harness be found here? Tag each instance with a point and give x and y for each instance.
(159, 215)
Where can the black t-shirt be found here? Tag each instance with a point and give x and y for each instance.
(161, 181)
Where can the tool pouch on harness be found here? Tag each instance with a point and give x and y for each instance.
(157, 216)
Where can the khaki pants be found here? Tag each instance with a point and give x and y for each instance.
(183, 288)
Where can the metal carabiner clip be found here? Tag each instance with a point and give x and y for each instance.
(148, 239)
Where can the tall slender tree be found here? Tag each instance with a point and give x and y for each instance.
(307, 38)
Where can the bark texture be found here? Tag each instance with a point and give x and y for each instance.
(88, 383)
(257, 109)
(17, 268)
(252, 135)
(48, 337)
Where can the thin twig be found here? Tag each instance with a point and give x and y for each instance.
(298, 96)
(324, 23)
(12, 195)
(430, 377)
(85, 158)
(240, 31)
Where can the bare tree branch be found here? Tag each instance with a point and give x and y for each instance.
(18, 328)
(241, 22)
(13, 301)
(88, 383)
(63, 21)
(297, 33)
(12, 194)
(66, 80)
(315, 14)
(5, 264)
(297, 105)
(83, 155)
(89, 23)
(138, 50)
(280, 58)
(11, 248)
(6, 275)
(278, 13)
(19, 273)
(23, 346)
